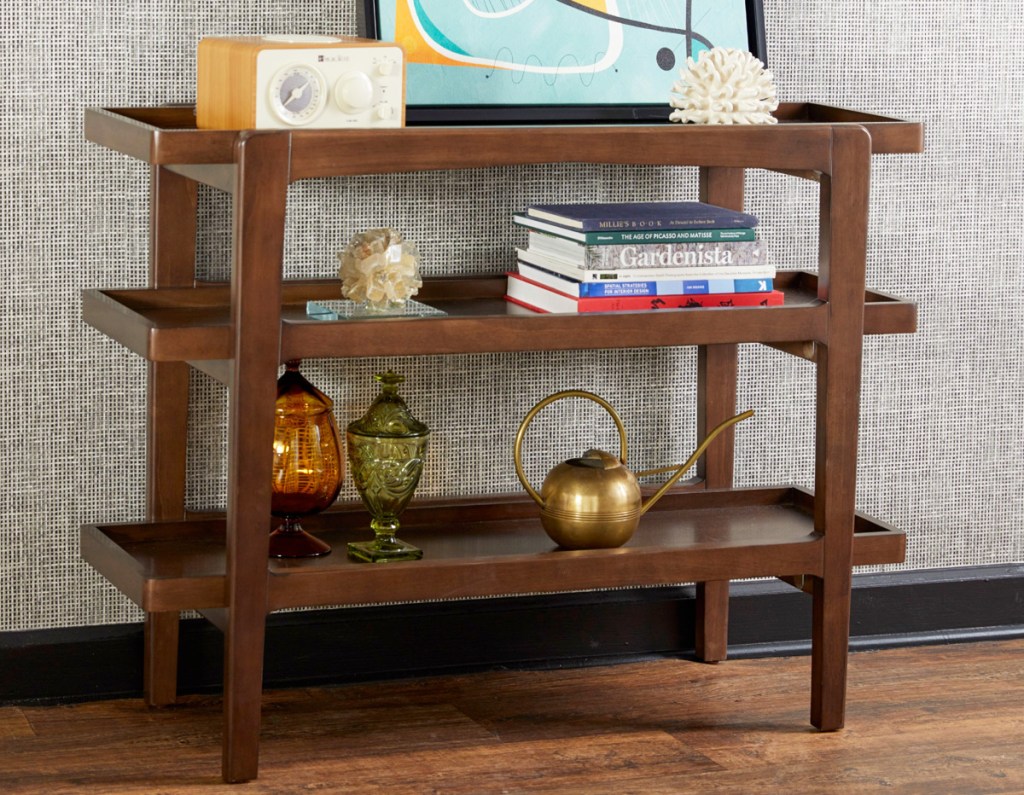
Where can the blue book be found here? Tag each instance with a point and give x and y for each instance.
(675, 287)
(642, 215)
(610, 289)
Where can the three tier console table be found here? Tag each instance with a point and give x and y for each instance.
(240, 332)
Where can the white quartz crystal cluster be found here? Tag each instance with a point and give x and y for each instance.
(724, 86)
(379, 268)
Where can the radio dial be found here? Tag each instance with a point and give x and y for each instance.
(354, 92)
(297, 94)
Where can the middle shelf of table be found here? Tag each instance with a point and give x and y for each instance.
(194, 324)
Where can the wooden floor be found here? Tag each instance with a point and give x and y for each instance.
(935, 720)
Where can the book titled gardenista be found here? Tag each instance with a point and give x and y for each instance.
(643, 215)
(651, 255)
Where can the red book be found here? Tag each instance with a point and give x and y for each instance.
(539, 298)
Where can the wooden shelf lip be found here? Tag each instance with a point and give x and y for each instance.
(491, 546)
(168, 136)
(888, 135)
(187, 324)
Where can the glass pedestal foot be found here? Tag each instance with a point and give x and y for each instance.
(291, 541)
(383, 551)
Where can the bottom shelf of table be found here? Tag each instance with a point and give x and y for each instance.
(487, 546)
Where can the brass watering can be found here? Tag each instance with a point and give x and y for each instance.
(594, 501)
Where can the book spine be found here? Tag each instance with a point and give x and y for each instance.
(664, 255)
(650, 236)
(674, 287)
(634, 237)
(643, 216)
(541, 298)
(774, 298)
(673, 255)
(563, 267)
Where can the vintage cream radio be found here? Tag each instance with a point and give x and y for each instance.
(299, 82)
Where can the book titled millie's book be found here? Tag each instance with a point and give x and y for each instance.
(539, 298)
(643, 215)
(651, 255)
(642, 236)
(578, 289)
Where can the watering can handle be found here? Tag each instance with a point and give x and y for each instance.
(517, 454)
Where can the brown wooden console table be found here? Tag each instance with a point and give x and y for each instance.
(242, 331)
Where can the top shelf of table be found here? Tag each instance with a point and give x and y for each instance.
(801, 141)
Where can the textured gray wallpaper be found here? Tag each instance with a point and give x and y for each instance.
(941, 445)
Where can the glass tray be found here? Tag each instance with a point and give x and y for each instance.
(346, 310)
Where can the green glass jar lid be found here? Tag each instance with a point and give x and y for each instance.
(388, 416)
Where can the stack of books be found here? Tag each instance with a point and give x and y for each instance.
(649, 255)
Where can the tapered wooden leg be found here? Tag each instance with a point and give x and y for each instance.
(829, 651)
(712, 621)
(160, 663)
(834, 515)
(842, 251)
(260, 196)
(243, 694)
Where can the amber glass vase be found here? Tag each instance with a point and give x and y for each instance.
(386, 448)
(308, 463)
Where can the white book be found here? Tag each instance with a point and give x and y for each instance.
(653, 255)
(567, 268)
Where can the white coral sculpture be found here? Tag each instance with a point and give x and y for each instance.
(724, 86)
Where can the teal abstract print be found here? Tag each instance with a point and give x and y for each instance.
(554, 52)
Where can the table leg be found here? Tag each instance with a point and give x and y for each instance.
(829, 651)
(160, 662)
(261, 192)
(712, 621)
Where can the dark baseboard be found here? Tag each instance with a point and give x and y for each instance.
(767, 618)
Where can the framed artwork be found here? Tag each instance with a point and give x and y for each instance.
(555, 61)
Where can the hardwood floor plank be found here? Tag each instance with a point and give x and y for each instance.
(616, 761)
(13, 724)
(929, 720)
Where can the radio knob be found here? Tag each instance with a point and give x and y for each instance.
(385, 111)
(353, 92)
(385, 68)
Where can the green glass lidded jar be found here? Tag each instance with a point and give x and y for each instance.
(386, 449)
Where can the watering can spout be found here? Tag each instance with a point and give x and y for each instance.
(684, 467)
